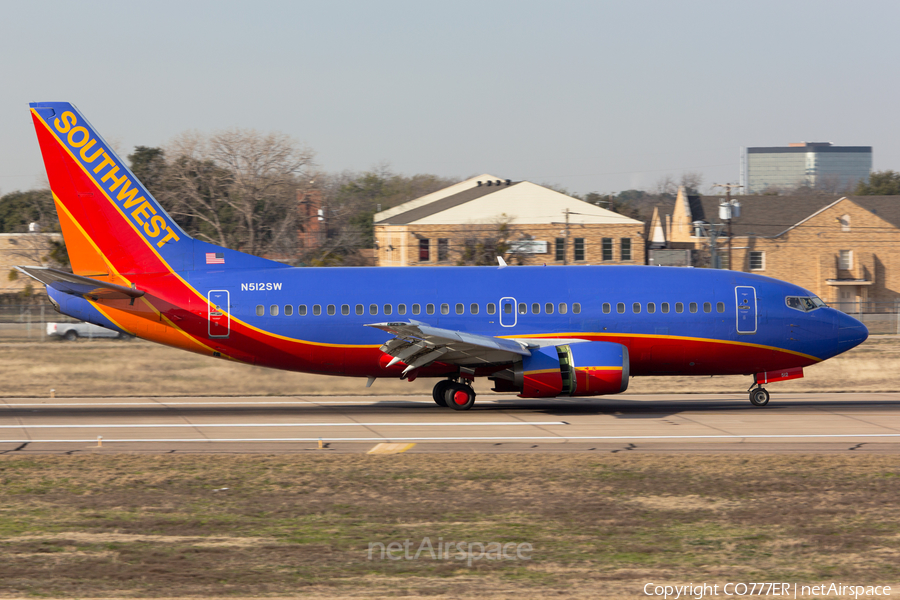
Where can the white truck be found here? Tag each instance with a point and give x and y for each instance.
(73, 331)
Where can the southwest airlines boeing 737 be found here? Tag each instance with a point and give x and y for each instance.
(540, 332)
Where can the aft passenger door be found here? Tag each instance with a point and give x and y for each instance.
(218, 318)
(745, 300)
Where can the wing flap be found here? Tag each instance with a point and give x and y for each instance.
(77, 285)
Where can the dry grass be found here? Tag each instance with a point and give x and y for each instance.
(136, 368)
(292, 525)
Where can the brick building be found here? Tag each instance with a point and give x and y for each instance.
(846, 251)
(22, 249)
(475, 220)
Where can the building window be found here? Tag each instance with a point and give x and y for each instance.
(607, 249)
(845, 223)
(625, 249)
(579, 249)
(560, 249)
(443, 248)
(757, 261)
(845, 260)
(424, 247)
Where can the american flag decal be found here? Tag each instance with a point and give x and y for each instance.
(215, 258)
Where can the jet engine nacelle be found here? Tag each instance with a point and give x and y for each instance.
(581, 369)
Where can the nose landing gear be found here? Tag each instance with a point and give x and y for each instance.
(758, 396)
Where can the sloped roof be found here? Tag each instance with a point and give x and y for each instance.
(769, 216)
(522, 202)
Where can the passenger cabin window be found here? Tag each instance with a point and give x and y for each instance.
(692, 307)
(445, 309)
(473, 308)
(429, 309)
(664, 307)
(535, 308)
(373, 309)
(260, 310)
(388, 309)
(576, 307)
(606, 308)
(636, 308)
(720, 307)
(301, 310)
(460, 309)
(620, 308)
(360, 309)
(331, 309)
(345, 309)
(651, 307)
(401, 309)
(317, 309)
(288, 310)
(548, 308)
(507, 309)
(523, 308)
(416, 309)
(679, 307)
(273, 310)
(707, 307)
(563, 308)
(491, 308)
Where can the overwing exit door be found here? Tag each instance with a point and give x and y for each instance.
(219, 319)
(508, 315)
(745, 297)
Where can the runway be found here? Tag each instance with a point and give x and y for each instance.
(848, 422)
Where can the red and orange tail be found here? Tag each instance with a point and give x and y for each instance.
(111, 223)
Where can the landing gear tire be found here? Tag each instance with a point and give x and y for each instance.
(459, 396)
(759, 397)
(440, 389)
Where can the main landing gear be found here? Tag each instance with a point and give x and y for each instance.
(758, 396)
(456, 394)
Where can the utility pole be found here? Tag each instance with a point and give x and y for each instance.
(566, 241)
(729, 210)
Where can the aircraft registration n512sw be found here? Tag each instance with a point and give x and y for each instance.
(541, 332)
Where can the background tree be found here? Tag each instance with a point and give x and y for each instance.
(880, 183)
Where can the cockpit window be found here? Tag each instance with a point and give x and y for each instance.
(804, 303)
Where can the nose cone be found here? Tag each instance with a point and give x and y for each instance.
(850, 332)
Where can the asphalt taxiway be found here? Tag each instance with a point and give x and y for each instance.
(845, 422)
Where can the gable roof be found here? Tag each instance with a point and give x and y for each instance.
(522, 202)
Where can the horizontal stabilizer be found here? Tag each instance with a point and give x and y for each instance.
(78, 285)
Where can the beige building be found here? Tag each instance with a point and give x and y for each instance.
(846, 251)
(22, 249)
(474, 221)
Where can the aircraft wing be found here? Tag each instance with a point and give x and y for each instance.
(417, 345)
(79, 286)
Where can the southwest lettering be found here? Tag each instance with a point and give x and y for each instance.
(84, 138)
(84, 150)
(154, 225)
(106, 161)
(133, 202)
(111, 174)
(142, 210)
(125, 193)
(68, 119)
(170, 236)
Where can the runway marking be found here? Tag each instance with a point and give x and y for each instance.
(388, 448)
(387, 424)
(470, 438)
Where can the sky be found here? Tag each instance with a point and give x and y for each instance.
(587, 96)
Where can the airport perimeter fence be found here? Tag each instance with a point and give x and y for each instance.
(25, 323)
